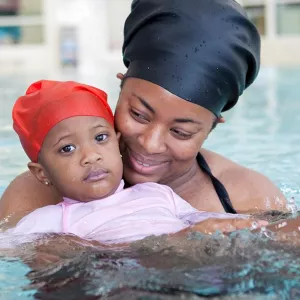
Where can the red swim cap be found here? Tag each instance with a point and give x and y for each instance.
(47, 103)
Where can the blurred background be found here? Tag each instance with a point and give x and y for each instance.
(54, 34)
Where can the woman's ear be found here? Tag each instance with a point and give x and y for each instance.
(38, 171)
(221, 119)
(120, 76)
(118, 136)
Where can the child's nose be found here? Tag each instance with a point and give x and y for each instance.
(90, 156)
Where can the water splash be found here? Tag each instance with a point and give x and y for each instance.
(238, 265)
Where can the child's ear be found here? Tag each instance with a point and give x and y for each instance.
(38, 171)
(118, 134)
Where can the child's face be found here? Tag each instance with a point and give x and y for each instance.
(80, 157)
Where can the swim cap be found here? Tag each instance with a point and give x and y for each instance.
(47, 103)
(204, 51)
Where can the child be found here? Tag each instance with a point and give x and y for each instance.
(66, 129)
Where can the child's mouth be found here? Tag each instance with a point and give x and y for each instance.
(96, 175)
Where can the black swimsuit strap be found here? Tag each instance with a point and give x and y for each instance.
(219, 187)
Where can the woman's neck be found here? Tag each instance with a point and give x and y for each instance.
(197, 189)
(188, 182)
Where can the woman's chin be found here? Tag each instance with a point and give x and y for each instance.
(133, 177)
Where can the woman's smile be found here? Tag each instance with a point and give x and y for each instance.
(142, 164)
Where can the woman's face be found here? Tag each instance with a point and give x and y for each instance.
(161, 133)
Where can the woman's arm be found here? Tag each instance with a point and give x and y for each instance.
(23, 195)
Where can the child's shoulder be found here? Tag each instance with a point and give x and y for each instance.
(46, 211)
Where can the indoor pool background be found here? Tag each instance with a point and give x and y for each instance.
(261, 132)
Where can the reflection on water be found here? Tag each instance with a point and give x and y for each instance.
(260, 133)
(240, 266)
(13, 279)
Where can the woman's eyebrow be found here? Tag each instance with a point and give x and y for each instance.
(144, 102)
(187, 120)
(178, 120)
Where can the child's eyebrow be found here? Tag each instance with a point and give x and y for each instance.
(99, 125)
(62, 138)
(69, 134)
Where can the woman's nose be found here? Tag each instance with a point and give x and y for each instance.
(153, 140)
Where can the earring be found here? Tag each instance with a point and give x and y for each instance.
(121, 155)
(47, 183)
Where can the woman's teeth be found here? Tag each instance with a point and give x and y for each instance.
(140, 163)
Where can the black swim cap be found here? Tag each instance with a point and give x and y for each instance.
(204, 51)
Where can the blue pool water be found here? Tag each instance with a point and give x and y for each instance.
(13, 279)
(261, 132)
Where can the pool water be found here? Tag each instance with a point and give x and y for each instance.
(261, 132)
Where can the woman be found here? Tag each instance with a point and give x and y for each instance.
(187, 62)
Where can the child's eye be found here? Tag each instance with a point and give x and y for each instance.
(67, 149)
(101, 137)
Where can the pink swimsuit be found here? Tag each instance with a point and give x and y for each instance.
(128, 215)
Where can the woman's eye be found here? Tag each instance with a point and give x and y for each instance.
(67, 149)
(101, 137)
(139, 116)
(181, 135)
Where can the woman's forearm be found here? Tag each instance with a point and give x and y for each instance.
(23, 195)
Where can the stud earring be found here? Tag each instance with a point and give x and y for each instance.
(47, 183)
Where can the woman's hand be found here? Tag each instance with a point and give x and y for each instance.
(212, 225)
(286, 226)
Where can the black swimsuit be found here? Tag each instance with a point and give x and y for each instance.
(219, 187)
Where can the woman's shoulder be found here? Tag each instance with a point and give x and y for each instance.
(248, 189)
(217, 162)
(226, 169)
